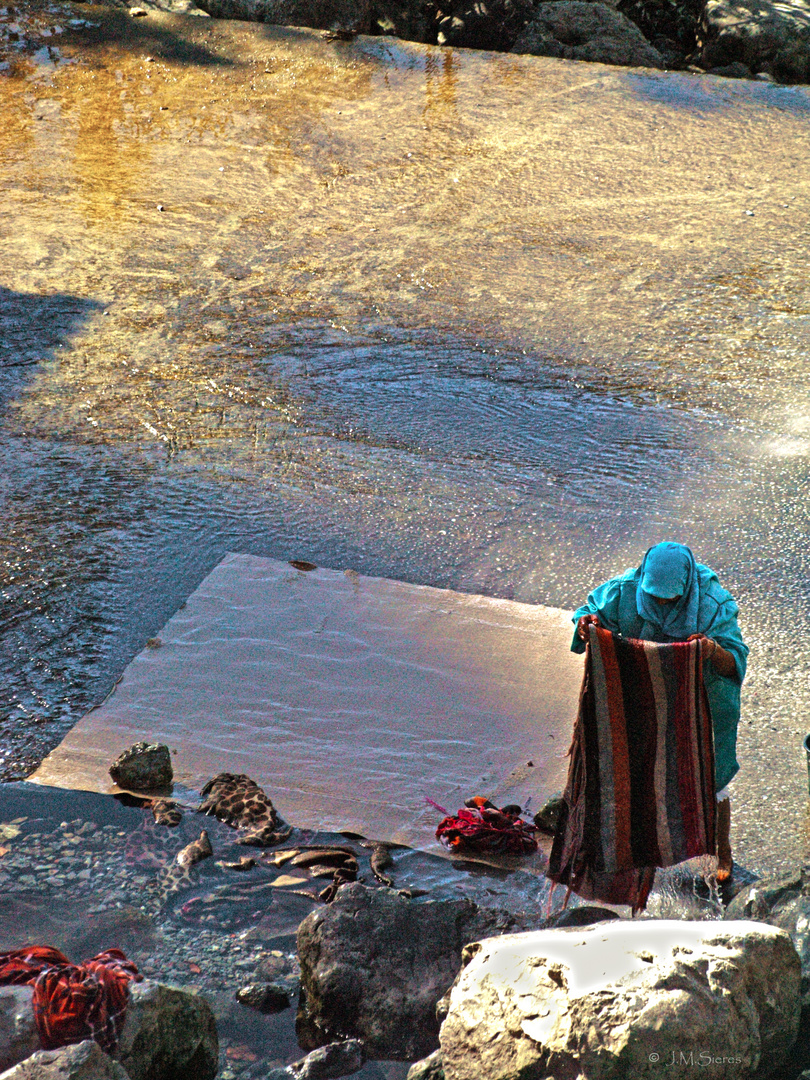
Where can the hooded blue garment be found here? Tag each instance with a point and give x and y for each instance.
(703, 607)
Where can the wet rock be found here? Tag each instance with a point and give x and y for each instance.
(482, 24)
(144, 767)
(732, 71)
(273, 965)
(168, 1034)
(374, 964)
(330, 1062)
(586, 915)
(18, 1033)
(769, 35)
(548, 815)
(620, 999)
(783, 901)
(319, 14)
(762, 899)
(264, 997)
(84, 1061)
(429, 1068)
(578, 30)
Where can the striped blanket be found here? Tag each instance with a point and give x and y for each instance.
(640, 790)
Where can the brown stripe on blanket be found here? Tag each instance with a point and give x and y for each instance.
(640, 791)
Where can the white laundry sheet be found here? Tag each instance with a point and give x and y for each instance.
(349, 699)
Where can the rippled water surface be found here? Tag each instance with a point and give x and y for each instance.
(488, 322)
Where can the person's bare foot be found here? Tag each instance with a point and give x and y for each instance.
(725, 863)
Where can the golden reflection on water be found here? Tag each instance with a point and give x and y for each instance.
(210, 181)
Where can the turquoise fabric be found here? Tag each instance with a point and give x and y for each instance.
(616, 605)
(670, 571)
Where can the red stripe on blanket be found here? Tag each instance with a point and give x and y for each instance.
(621, 765)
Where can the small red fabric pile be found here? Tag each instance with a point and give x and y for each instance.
(481, 828)
(73, 1002)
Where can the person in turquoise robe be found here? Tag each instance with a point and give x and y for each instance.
(671, 597)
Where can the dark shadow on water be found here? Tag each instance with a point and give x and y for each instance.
(33, 327)
(113, 26)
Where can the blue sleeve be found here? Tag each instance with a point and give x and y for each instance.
(604, 602)
(726, 633)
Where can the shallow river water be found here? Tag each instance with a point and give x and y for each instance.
(488, 322)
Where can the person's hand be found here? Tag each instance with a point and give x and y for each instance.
(705, 642)
(722, 660)
(584, 623)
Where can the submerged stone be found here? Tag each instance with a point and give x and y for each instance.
(143, 767)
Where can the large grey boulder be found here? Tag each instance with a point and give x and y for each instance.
(765, 35)
(18, 1032)
(84, 1061)
(351, 15)
(374, 964)
(578, 30)
(624, 999)
(168, 1034)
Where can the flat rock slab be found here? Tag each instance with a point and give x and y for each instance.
(348, 698)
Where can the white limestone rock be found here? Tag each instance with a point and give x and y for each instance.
(625, 999)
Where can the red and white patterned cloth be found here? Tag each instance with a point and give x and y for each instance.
(73, 1002)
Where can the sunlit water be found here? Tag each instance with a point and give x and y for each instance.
(488, 322)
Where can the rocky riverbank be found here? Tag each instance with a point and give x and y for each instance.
(393, 977)
(741, 39)
(765, 40)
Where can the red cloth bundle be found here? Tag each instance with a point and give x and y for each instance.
(73, 1002)
(481, 828)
